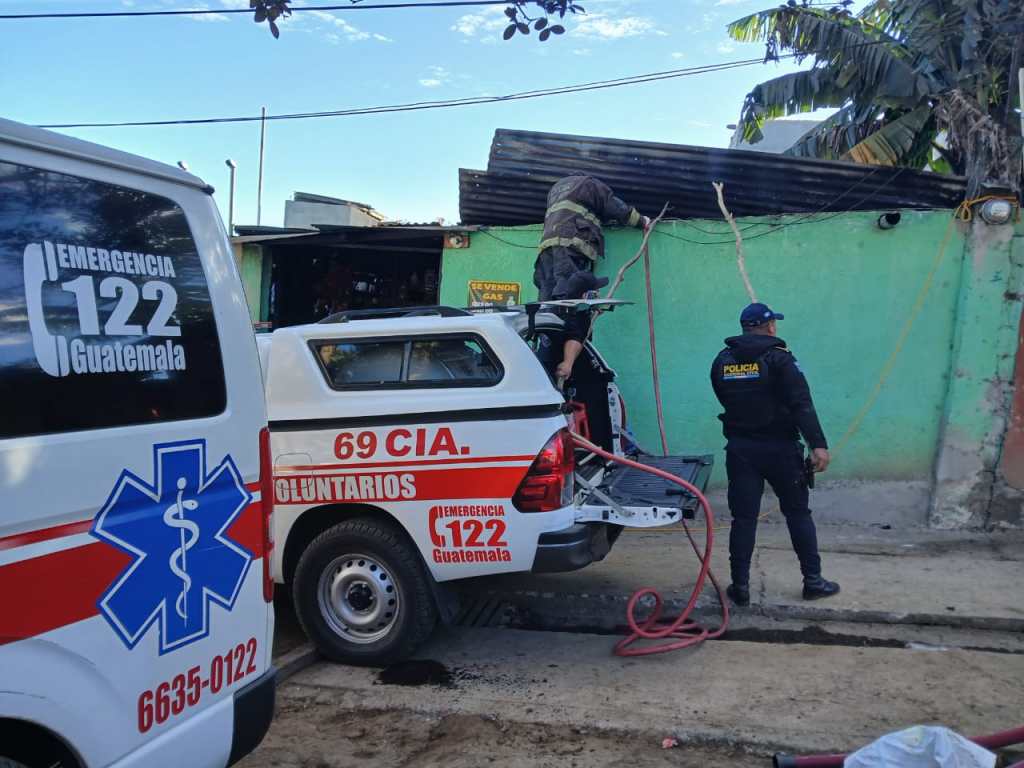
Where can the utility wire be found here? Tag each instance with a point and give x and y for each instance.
(807, 218)
(440, 104)
(210, 11)
(465, 101)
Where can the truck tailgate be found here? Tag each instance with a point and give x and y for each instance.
(633, 493)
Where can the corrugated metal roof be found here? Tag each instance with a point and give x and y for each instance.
(523, 165)
(255, 230)
(426, 235)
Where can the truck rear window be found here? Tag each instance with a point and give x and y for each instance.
(417, 362)
(364, 364)
(448, 360)
(105, 313)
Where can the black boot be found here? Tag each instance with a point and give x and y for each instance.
(739, 594)
(816, 588)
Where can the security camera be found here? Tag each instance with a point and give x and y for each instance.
(889, 220)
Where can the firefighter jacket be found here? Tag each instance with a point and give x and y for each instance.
(764, 392)
(577, 206)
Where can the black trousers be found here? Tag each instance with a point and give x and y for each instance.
(552, 270)
(749, 463)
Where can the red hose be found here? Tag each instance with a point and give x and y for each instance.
(991, 741)
(684, 633)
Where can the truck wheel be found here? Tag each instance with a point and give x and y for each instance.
(362, 594)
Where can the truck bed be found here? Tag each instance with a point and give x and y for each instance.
(632, 487)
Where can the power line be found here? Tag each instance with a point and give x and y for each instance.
(211, 11)
(465, 101)
(506, 242)
(807, 218)
(439, 104)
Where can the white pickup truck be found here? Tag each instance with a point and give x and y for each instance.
(414, 447)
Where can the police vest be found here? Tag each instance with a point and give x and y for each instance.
(748, 392)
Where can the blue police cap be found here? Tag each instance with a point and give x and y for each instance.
(757, 314)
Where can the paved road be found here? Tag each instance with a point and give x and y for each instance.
(527, 677)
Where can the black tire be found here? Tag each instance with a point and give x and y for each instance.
(329, 585)
(26, 746)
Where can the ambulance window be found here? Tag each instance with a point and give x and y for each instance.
(105, 313)
(361, 364)
(459, 361)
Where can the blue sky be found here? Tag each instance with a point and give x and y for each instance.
(404, 164)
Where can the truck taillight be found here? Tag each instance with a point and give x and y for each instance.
(548, 484)
(267, 509)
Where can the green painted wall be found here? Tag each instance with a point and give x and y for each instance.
(981, 388)
(252, 268)
(847, 289)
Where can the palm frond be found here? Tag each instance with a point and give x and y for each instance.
(833, 138)
(790, 94)
(894, 142)
(877, 65)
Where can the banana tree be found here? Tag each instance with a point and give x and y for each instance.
(915, 83)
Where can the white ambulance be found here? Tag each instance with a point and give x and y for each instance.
(413, 448)
(135, 600)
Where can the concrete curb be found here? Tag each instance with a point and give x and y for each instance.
(608, 610)
(814, 613)
(296, 660)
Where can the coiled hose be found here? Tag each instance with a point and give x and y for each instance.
(680, 632)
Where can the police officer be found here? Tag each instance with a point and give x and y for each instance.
(570, 245)
(767, 408)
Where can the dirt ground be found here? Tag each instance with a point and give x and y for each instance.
(525, 672)
(310, 731)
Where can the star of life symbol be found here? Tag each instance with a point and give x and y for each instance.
(175, 531)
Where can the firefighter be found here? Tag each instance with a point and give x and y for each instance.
(571, 244)
(768, 407)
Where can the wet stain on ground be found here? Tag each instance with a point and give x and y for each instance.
(417, 672)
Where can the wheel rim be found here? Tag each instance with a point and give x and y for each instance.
(358, 598)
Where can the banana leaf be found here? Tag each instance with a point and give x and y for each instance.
(894, 142)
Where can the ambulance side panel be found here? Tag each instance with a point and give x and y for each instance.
(108, 636)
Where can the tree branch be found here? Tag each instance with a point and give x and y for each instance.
(741, 261)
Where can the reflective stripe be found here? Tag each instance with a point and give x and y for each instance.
(634, 218)
(567, 205)
(570, 242)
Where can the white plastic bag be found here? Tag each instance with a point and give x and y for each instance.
(922, 746)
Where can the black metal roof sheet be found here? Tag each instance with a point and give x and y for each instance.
(524, 164)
